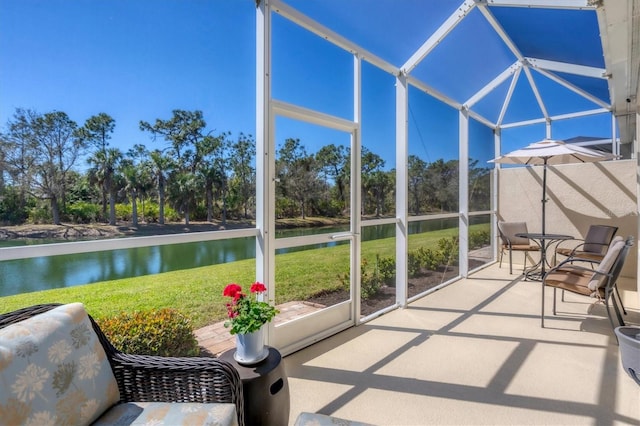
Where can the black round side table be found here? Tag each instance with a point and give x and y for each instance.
(265, 388)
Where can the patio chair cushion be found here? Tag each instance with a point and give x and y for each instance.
(54, 370)
(572, 279)
(599, 279)
(597, 234)
(161, 413)
(509, 231)
(568, 252)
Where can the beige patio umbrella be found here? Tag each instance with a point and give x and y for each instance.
(550, 152)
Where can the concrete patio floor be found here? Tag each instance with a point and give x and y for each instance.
(473, 353)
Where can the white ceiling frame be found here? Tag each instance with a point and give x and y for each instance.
(493, 84)
(481, 119)
(568, 68)
(500, 31)
(324, 32)
(507, 99)
(547, 4)
(516, 52)
(573, 88)
(524, 123)
(580, 114)
(424, 87)
(557, 117)
(454, 19)
(536, 92)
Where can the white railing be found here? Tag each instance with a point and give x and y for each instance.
(44, 250)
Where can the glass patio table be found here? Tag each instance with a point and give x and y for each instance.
(537, 271)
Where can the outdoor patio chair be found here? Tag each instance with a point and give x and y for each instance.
(599, 283)
(510, 242)
(592, 247)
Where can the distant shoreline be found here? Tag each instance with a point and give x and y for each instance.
(69, 232)
(72, 232)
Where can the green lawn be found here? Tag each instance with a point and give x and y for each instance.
(197, 292)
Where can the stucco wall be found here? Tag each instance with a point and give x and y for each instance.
(578, 195)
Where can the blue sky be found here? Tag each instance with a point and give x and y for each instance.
(135, 61)
(140, 59)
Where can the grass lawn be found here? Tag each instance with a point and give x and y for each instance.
(197, 292)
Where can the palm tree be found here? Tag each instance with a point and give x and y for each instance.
(104, 166)
(161, 165)
(183, 188)
(132, 177)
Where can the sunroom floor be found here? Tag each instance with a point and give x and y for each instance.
(473, 353)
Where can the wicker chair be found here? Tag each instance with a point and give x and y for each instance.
(144, 378)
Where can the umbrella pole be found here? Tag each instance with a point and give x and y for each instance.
(543, 248)
(544, 193)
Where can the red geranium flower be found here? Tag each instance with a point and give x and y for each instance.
(258, 287)
(231, 290)
(247, 314)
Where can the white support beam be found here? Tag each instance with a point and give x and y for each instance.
(508, 72)
(637, 155)
(435, 39)
(481, 119)
(445, 99)
(536, 92)
(556, 118)
(615, 142)
(547, 130)
(495, 206)
(463, 192)
(573, 88)
(304, 21)
(433, 92)
(524, 123)
(402, 189)
(356, 196)
(547, 4)
(500, 31)
(265, 160)
(311, 116)
(507, 99)
(579, 114)
(565, 67)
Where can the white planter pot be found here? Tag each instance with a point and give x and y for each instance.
(629, 342)
(250, 348)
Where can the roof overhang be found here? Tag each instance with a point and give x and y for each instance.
(619, 23)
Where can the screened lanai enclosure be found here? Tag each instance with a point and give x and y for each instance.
(385, 114)
(461, 83)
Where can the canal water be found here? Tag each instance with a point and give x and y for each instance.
(42, 273)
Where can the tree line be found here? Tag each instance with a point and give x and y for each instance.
(196, 175)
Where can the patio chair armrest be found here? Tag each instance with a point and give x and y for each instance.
(569, 261)
(147, 378)
(571, 240)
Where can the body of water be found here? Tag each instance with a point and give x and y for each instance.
(42, 273)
